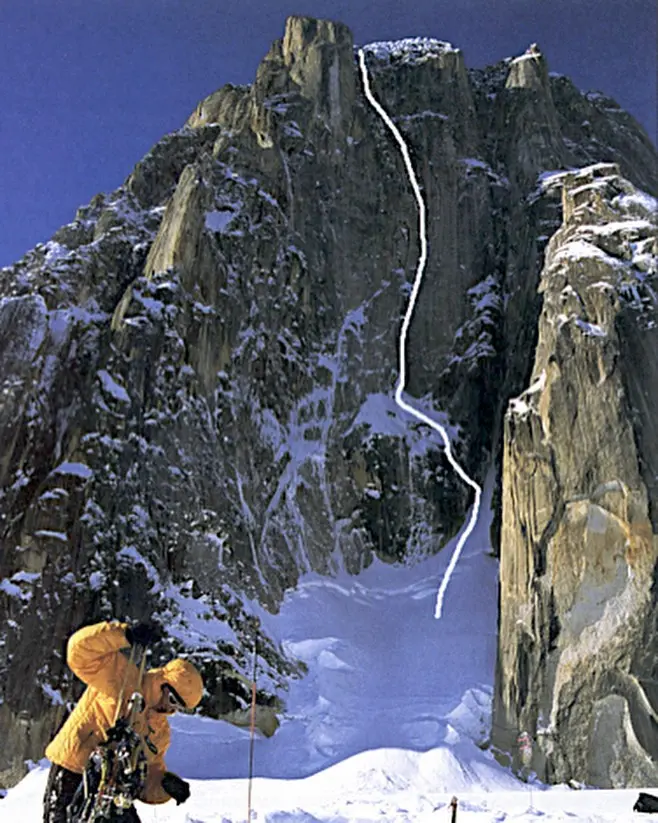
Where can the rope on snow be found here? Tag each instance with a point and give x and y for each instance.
(252, 729)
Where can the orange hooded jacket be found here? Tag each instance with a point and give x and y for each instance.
(94, 655)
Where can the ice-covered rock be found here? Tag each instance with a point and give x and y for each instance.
(214, 347)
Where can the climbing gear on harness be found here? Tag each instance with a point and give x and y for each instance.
(116, 770)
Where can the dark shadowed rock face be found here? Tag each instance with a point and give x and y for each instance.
(197, 372)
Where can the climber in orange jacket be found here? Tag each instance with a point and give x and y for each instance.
(94, 655)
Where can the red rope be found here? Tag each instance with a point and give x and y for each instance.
(252, 734)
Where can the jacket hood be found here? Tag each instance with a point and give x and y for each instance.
(184, 677)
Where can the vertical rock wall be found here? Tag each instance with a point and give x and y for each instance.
(197, 372)
(577, 642)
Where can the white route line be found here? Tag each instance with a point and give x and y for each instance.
(422, 260)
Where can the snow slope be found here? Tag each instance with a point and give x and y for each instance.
(385, 725)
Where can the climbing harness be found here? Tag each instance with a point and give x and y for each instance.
(116, 770)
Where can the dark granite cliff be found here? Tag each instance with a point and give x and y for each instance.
(197, 372)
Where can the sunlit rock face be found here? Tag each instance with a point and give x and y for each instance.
(198, 371)
(577, 664)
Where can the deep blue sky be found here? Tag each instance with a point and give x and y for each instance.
(87, 86)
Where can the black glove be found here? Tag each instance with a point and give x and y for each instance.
(143, 634)
(176, 787)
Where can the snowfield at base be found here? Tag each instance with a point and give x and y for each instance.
(385, 725)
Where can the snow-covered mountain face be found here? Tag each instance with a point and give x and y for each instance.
(198, 372)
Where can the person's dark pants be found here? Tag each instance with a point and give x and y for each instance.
(60, 789)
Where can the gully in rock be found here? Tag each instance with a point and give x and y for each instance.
(420, 270)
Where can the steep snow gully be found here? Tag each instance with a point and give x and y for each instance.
(390, 720)
(420, 270)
